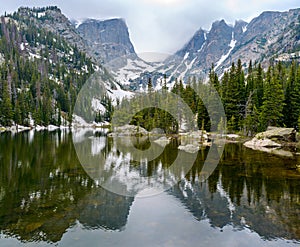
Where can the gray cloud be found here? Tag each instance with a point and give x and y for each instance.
(160, 25)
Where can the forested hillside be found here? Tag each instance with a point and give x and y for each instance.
(40, 73)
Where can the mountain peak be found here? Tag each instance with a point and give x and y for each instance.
(240, 23)
(194, 45)
(109, 38)
(219, 23)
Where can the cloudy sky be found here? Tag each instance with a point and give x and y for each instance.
(160, 25)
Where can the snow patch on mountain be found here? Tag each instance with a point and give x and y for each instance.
(224, 57)
(133, 69)
(118, 94)
(201, 48)
(186, 56)
(188, 68)
(41, 14)
(22, 46)
(97, 106)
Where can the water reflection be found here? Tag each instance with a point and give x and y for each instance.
(44, 191)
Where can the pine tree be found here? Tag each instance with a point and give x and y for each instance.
(292, 97)
(17, 113)
(213, 79)
(46, 107)
(231, 98)
(251, 119)
(259, 86)
(6, 106)
(202, 116)
(273, 100)
(250, 80)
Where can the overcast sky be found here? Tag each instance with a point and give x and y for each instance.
(160, 25)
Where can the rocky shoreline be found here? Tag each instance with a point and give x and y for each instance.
(275, 140)
(278, 141)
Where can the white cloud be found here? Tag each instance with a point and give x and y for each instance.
(161, 25)
(164, 2)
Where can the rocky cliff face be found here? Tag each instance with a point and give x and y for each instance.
(266, 37)
(107, 39)
(54, 21)
(101, 40)
(269, 37)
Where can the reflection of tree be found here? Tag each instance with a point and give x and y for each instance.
(44, 190)
(248, 188)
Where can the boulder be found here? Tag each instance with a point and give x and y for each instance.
(280, 134)
(129, 130)
(195, 135)
(268, 141)
(157, 131)
(163, 141)
(189, 148)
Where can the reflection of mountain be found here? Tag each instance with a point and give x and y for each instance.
(44, 191)
(128, 165)
(245, 192)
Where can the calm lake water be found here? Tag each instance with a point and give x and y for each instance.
(47, 197)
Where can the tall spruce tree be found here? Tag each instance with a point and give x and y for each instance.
(6, 105)
(292, 97)
(273, 100)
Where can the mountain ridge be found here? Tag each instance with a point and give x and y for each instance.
(108, 41)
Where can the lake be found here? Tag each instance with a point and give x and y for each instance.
(49, 197)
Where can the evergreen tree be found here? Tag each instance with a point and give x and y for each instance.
(273, 100)
(251, 120)
(17, 113)
(203, 119)
(213, 79)
(231, 98)
(292, 97)
(250, 80)
(6, 106)
(259, 86)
